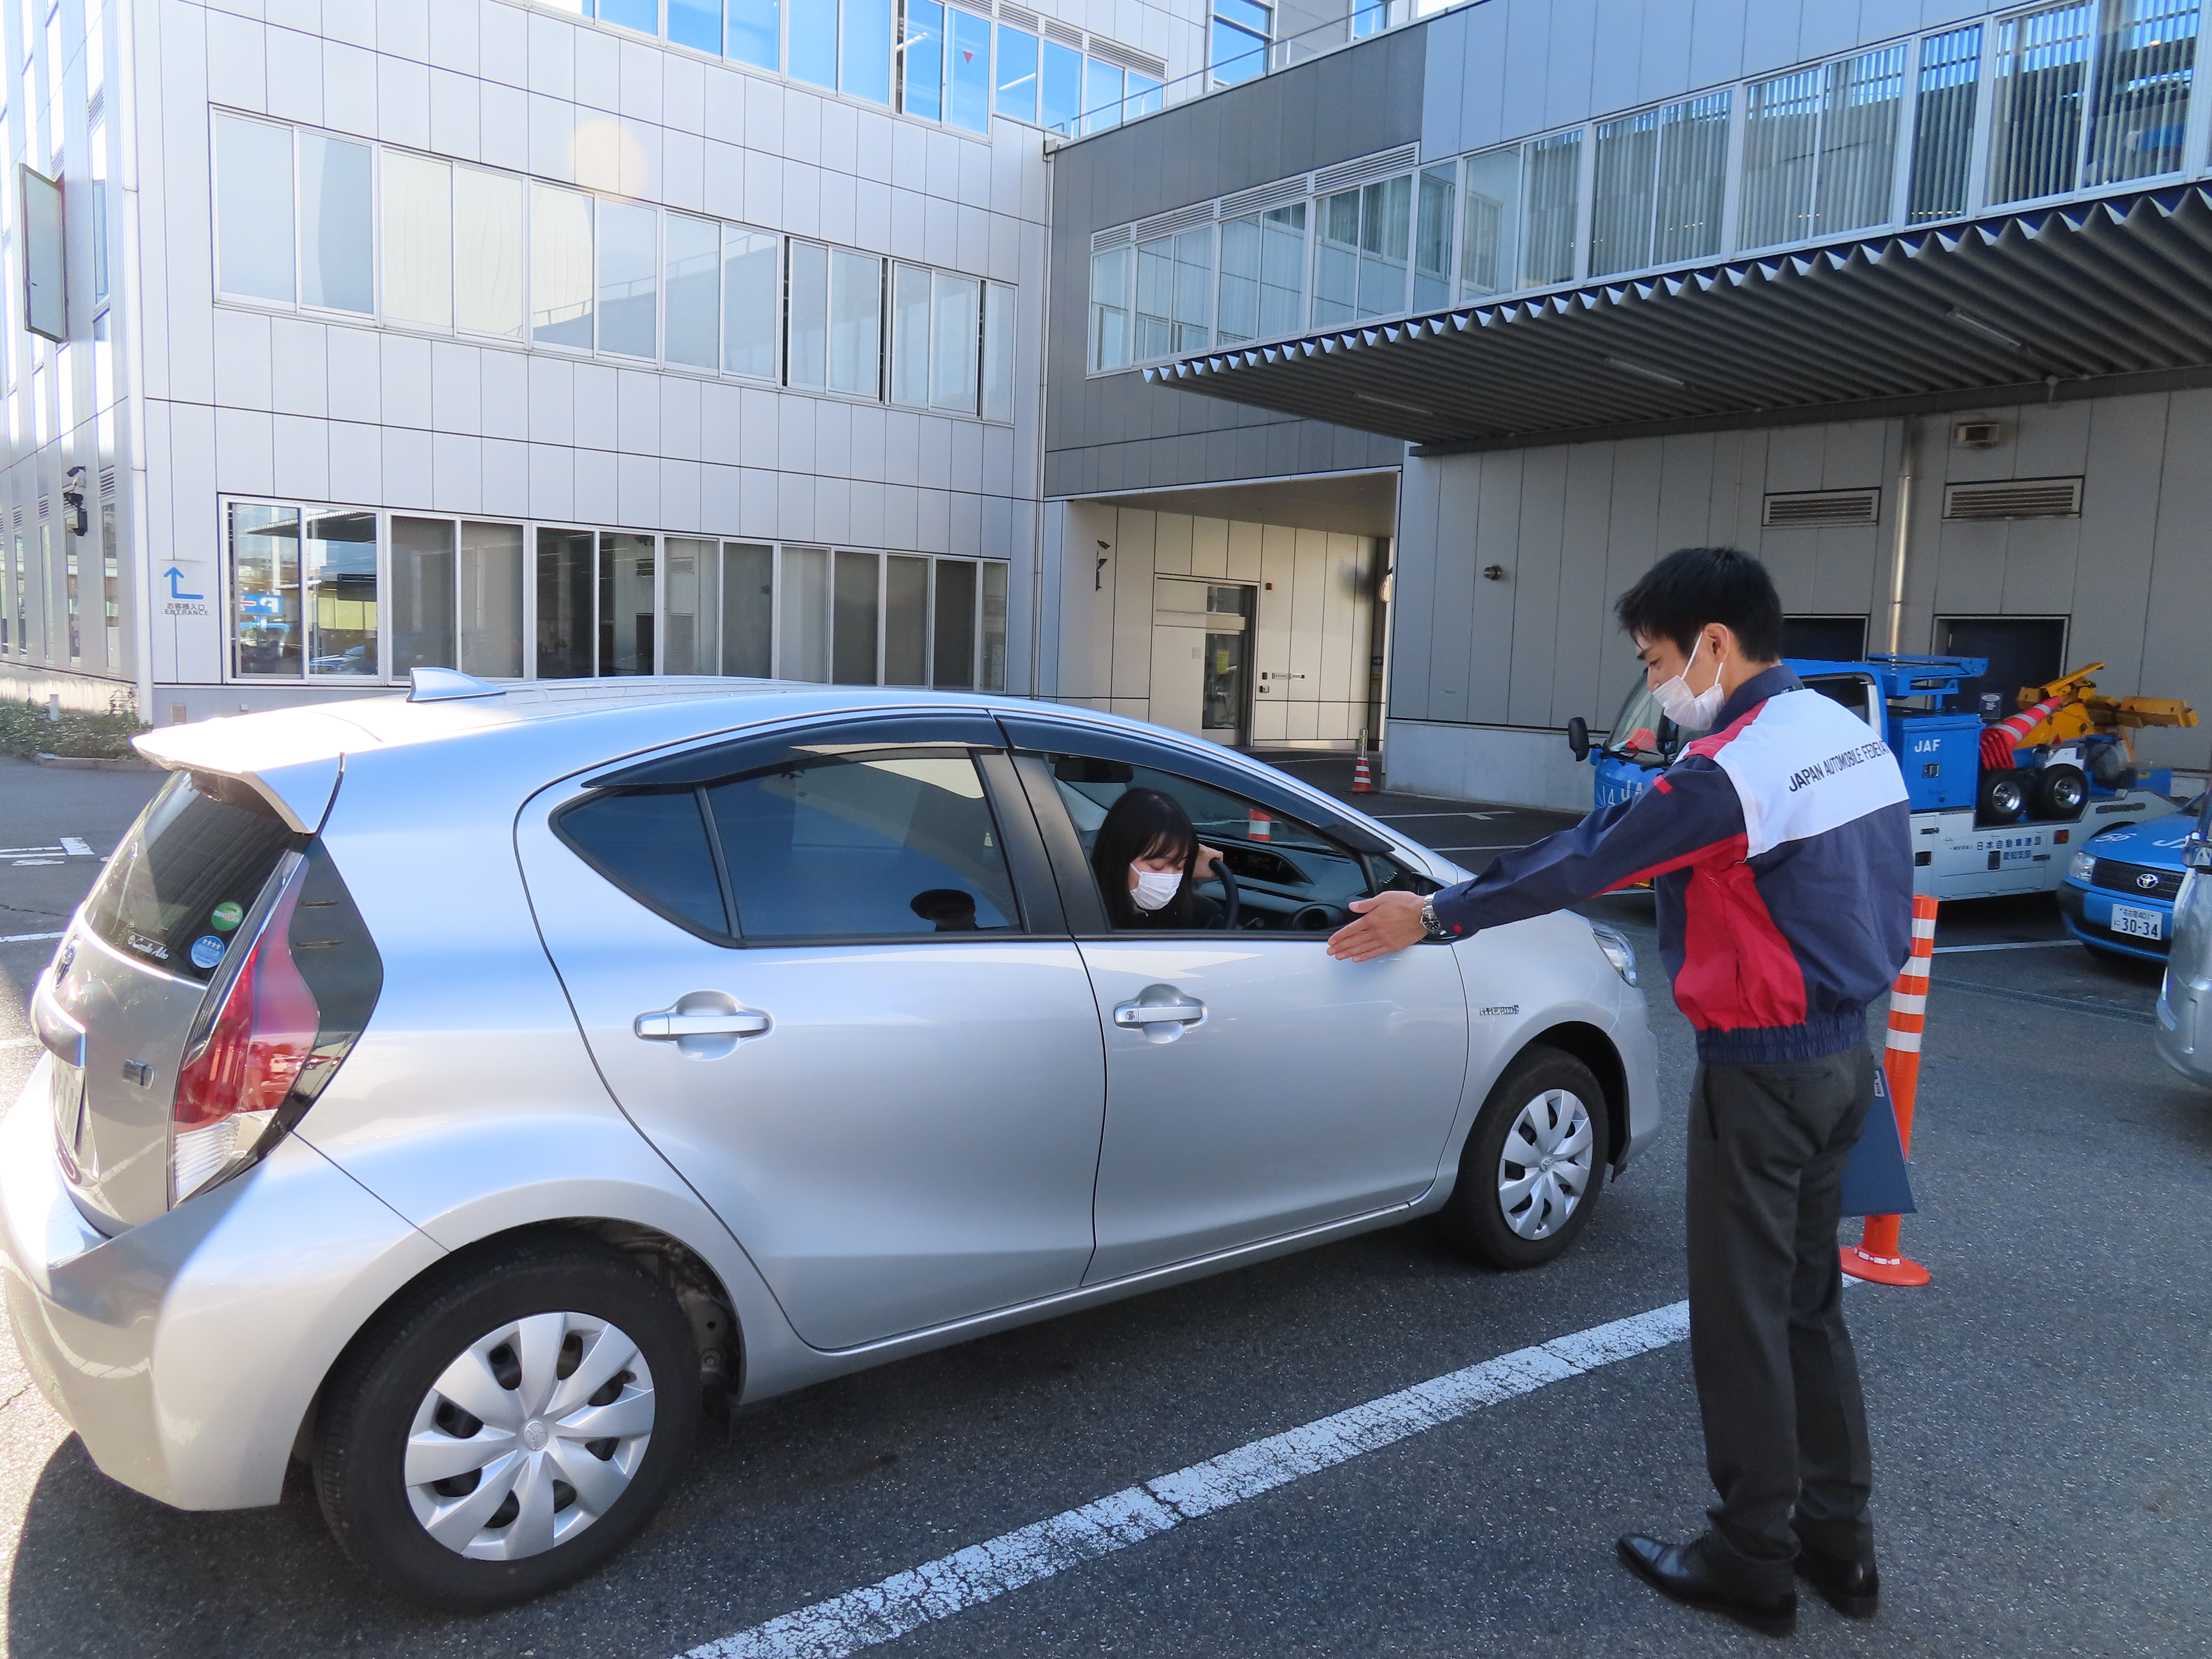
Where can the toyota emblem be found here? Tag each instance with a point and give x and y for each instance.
(2147, 880)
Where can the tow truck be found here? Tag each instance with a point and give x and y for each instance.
(1980, 829)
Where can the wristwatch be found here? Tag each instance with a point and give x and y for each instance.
(1430, 925)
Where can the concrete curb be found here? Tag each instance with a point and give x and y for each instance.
(127, 764)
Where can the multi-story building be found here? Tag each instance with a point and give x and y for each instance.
(1280, 373)
(676, 338)
(1906, 295)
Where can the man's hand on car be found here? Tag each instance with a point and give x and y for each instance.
(1388, 922)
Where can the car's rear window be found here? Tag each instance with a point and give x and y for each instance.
(179, 887)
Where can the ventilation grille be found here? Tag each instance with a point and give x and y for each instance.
(1265, 196)
(1821, 509)
(1020, 17)
(1117, 237)
(107, 481)
(1367, 167)
(1065, 36)
(1167, 224)
(2015, 498)
(1143, 63)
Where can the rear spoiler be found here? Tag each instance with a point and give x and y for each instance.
(292, 757)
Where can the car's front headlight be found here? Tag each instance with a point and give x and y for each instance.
(1618, 951)
(2084, 862)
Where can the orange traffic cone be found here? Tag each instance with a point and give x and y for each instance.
(1878, 1254)
(1362, 784)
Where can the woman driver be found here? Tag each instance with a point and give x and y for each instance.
(1148, 858)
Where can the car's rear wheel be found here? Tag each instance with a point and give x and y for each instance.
(508, 1424)
(1534, 1163)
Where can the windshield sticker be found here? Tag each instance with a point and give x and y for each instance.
(153, 948)
(225, 917)
(207, 951)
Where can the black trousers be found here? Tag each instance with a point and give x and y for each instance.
(1778, 1382)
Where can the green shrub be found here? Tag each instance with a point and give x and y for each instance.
(26, 731)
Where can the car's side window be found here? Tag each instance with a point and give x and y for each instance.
(652, 843)
(889, 843)
(1289, 876)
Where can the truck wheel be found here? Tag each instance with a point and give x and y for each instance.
(2060, 792)
(509, 1423)
(2001, 799)
(1534, 1165)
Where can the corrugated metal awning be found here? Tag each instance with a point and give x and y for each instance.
(2117, 287)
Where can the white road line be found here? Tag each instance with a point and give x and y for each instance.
(2026, 945)
(25, 938)
(888, 1609)
(17, 1042)
(72, 844)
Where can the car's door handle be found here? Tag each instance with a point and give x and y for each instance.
(669, 1026)
(1138, 1013)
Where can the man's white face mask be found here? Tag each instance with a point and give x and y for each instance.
(1694, 711)
(1154, 888)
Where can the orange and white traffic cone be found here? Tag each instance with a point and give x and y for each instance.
(1878, 1255)
(1362, 783)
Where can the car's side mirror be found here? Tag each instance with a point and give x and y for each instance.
(1578, 737)
(2196, 853)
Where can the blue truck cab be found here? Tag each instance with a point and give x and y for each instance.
(1975, 834)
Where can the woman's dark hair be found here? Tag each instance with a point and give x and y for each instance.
(1143, 823)
(1694, 585)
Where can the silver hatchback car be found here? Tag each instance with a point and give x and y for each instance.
(460, 1092)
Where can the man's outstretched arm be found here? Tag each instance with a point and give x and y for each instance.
(1690, 813)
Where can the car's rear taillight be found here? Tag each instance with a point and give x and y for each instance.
(233, 1088)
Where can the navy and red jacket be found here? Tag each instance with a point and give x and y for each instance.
(1779, 849)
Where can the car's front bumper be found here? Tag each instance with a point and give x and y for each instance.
(187, 1351)
(2185, 1027)
(2088, 914)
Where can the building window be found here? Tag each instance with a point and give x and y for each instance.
(1820, 149)
(1174, 293)
(1550, 192)
(1943, 123)
(1016, 94)
(1241, 29)
(1102, 94)
(755, 31)
(1662, 174)
(463, 247)
(1362, 238)
(921, 60)
(1061, 87)
(561, 292)
(968, 99)
(303, 592)
(1110, 309)
(253, 210)
(1263, 264)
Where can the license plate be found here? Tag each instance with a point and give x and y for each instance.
(2138, 923)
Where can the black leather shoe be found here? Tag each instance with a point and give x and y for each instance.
(1852, 1588)
(1674, 1570)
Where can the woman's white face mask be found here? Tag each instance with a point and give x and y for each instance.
(1154, 888)
(1694, 711)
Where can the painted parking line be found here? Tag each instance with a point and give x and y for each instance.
(2026, 945)
(25, 938)
(935, 1590)
(17, 1042)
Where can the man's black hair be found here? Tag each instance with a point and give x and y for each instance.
(1694, 585)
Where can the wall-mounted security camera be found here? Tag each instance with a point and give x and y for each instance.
(1493, 573)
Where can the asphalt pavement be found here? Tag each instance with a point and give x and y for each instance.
(2038, 1411)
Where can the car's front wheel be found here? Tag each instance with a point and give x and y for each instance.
(1534, 1163)
(509, 1424)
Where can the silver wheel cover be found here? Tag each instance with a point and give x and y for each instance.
(552, 1411)
(1550, 1156)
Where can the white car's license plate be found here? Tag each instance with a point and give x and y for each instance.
(2140, 923)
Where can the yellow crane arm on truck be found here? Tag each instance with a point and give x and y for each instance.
(2087, 713)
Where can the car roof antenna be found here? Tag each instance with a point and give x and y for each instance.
(447, 685)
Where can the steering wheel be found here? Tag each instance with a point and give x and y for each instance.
(1228, 879)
